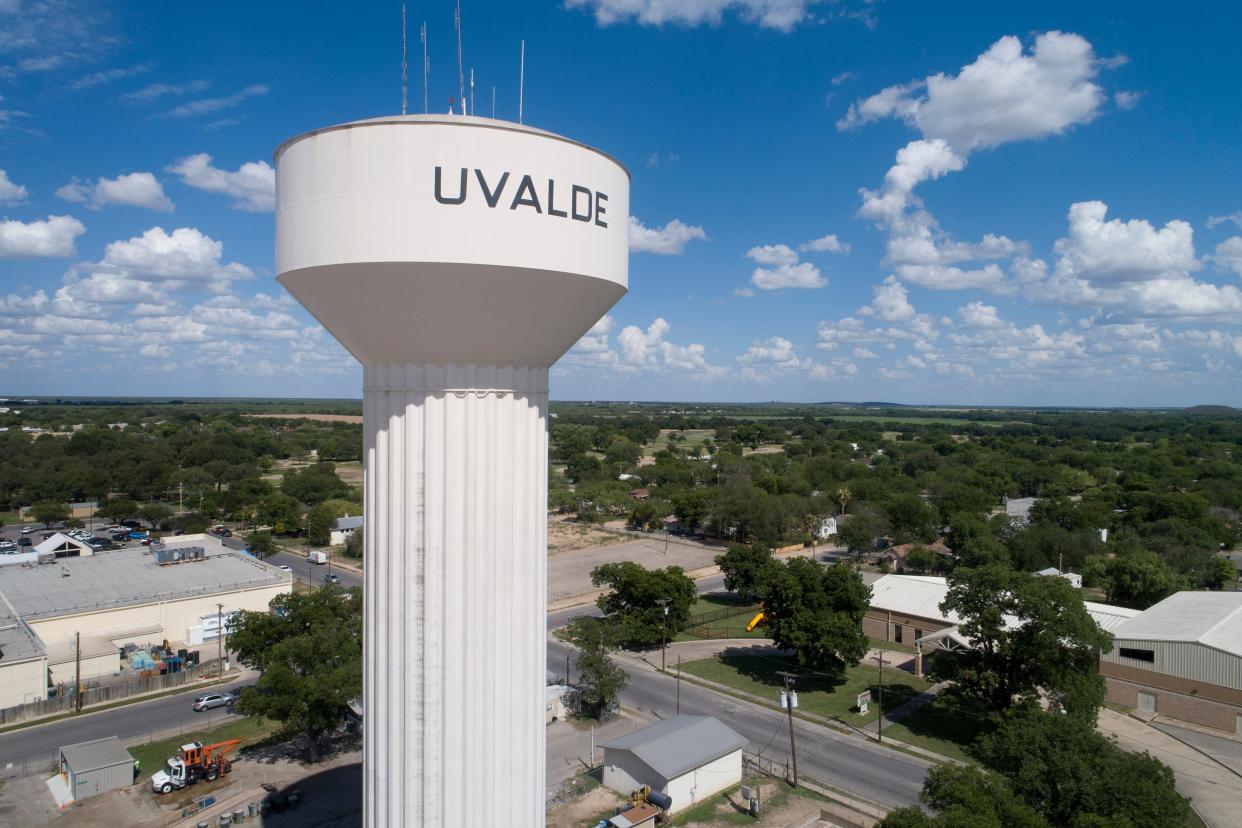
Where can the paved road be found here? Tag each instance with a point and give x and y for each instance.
(303, 570)
(37, 745)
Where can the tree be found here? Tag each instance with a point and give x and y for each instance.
(260, 544)
(48, 512)
(1139, 579)
(747, 568)
(1073, 776)
(858, 533)
(922, 559)
(966, 797)
(279, 511)
(155, 514)
(320, 519)
(308, 652)
(354, 545)
(600, 680)
(1030, 635)
(315, 484)
(817, 612)
(639, 597)
(117, 509)
(911, 519)
(843, 497)
(1221, 571)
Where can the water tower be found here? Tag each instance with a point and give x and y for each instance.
(457, 258)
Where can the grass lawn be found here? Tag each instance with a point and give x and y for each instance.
(722, 807)
(716, 617)
(948, 725)
(832, 696)
(693, 437)
(250, 730)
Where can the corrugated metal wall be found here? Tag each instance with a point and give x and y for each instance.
(93, 782)
(1185, 659)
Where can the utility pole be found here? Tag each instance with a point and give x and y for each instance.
(790, 699)
(879, 721)
(663, 602)
(77, 666)
(678, 684)
(220, 638)
(567, 683)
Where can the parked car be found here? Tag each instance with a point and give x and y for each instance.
(7, 546)
(332, 578)
(98, 543)
(27, 530)
(285, 568)
(24, 541)
(120, 537)
(145, 541)
(137, 535)
(210, 700)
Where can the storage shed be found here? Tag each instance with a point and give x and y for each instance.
(92, 768)
(689, 758)
(1182, 659)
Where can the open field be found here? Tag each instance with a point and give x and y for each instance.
(320, 418)
(693, 437)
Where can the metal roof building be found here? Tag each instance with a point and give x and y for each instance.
(92, 768)
(1181, 658)
(689, 758)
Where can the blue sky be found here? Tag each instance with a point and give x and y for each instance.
(831, 200)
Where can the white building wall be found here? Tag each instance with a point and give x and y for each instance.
(624, 772)
(700, 783)
(23, 682)
(1186, 659)
(63, 672)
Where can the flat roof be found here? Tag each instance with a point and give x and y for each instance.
(1213, 619)
(17, 641)
(107, 580)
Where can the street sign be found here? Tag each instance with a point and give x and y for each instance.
(864, 699)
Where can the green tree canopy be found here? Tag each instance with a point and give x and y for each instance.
(1029, 634)
(308, 652)
(817, 612)
(260, 544)
(858, 532)
(638, 597)
(118, 509)
(48, 512)
(966, 797)
(747, 569)
(600, 680)
(1139, 578)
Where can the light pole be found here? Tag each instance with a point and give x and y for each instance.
(879, 720)
(790, 700)
(220, 639)
(663, 602)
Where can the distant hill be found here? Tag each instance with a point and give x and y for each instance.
(1212, 411)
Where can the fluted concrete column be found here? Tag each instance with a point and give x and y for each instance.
(456, 545)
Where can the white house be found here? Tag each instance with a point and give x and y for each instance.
(1073, 577)
(689, 758)
(827, 528)
(343, 528)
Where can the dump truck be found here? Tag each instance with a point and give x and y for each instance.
(194, 761)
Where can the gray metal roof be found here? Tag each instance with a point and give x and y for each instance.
(351, 522)
(1213, 619)
(124, 577)
(17, 641)
(680, 743)
(100, 753)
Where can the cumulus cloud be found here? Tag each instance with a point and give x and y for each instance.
(825, 244)
(1126, 100)
(155, 91)
(650, 349)
(1236, 218)
(184, 257)
(804, 275)
(891, 302)
(1006, 95)
(669, 240)
(979, 315)
(52, 237)
(781, 15)
(1101, 250)
(252, 186)
(139, 189)
(772, 254)
(109, 75)
(11, 193)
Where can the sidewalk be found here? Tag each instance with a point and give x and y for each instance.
(1213, 789)
(1223, 749)
(898, 713)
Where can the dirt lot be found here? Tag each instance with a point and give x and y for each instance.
(567, 537)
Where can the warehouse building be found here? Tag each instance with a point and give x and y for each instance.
(687, 758)
(93, 606)
(1181, 659)
(23, 662)
(91, 768)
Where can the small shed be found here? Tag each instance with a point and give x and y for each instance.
(92, 768)
(689, 758)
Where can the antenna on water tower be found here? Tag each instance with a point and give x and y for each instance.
(426, 66)
(493, 103)
(403, 63)
(461, 74)
(471, 90)
(521, 81)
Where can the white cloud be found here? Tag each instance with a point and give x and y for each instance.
(649, 349)
(843, 77)
(110, 288)
(252, 185)
(1229, 254)
(155, 351)
(891, 303)
(1005, 95)
(804, 275)
(156, 91)
(979, 315)
(52, 237)
(825, 244)
(139, 189)
(773, 254)
(1126, 99)
(207, 106)
(916, 162)
(744, 292)
(185, 256)
(1236, 218)
(782, 15)
(11, 193)
(669, 240)
(941, 277)
(1119, 252)
(110, 75)
(865, 353)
